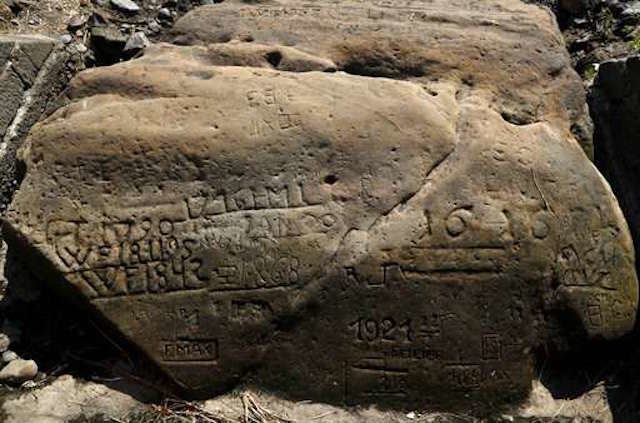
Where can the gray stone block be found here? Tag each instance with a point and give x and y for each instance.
(11, 92)
(23, 67)
(36, 47)
(32, 75)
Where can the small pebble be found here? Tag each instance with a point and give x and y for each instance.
(77, 21)
(66, 38)
(154, 26)
(40, 377)
(30, 384)
(126, 5)
(164, 13)
(19, 371)
(137, 41)
(8, 356)
(4, 342)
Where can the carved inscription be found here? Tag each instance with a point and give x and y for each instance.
(274, 115)
(292, 195)
(190, 351)
(491, 347)
(387, 329)
(591, 267)
(370, 378)
(257, 273)
(464, 376)
(220, 242)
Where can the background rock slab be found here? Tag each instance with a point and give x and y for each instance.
(513, 50)
(33, 75)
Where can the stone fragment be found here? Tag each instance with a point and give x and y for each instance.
(18, 5)
(108, 43)
(631, 12)
(67, 399)
(511, 49)
(5, 12)
(77, 21)
(164, 13)
(614, 102)
(18, 371)
(336, 237)
(4, 342)
(136, 42)
(9, 356)
(128, 6)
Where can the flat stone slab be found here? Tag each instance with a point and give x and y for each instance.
(513, 50)
(349, 239)
(31, 74)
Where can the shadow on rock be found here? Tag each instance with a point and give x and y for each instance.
(62, 340)
(612, 364)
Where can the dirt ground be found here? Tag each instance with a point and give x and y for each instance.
(46, 17)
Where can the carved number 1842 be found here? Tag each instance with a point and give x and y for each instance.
(387, 329)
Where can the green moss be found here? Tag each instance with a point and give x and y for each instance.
(635, 44)
(590, 72)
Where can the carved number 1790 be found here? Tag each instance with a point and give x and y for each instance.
(387, 329)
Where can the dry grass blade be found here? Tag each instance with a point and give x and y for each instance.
(178, 411)
(254, 413)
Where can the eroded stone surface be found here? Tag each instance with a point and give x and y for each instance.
(513, 50)
(349, 239)
(66, 400)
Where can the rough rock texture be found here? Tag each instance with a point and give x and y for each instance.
(32, 75)
(18, 371)
(592, 406)
(343, 238)
(615, 101)
(68, 400)
(540, 407)
(513, 50)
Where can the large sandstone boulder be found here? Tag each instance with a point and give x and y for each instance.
(511, 49)
(350, 239)
(344, 238)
